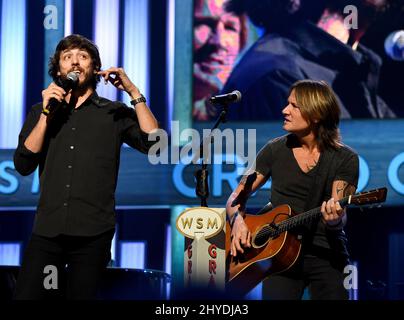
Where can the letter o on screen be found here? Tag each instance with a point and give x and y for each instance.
(364, 174)
(392, 173)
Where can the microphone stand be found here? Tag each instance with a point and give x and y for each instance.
(201, 175)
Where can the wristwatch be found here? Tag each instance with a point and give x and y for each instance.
(134, 102)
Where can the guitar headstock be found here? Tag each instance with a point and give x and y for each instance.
(368, 197)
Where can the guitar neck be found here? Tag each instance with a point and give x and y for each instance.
(304, 217)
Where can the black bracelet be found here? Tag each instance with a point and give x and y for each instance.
(134, 102)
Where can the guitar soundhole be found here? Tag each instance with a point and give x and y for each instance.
(262, 236)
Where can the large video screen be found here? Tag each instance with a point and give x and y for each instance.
(261, 48)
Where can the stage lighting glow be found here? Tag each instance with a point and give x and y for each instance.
(10, 254)
(182, 83)
(12, 71)
(136, 45)
(255, 294)
(106, 31)
(168, 260)
(132, 254)
(54, 31)
(68, 17)
(113, 247)
(170, 58)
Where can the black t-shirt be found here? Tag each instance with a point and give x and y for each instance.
(292, 186)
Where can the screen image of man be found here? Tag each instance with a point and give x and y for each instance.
(219, 36)
(308, 40)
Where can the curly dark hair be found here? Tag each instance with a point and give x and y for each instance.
(71, 42)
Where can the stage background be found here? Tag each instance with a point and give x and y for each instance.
(156, 51)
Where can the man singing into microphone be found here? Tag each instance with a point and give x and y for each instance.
(76, 144)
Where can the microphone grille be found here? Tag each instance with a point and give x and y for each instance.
(238, 95)
(72, 76)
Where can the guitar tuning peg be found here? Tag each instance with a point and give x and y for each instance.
(361, 209)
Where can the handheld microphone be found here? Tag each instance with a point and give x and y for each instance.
(68, 83)
(394, 45)
(227, 98)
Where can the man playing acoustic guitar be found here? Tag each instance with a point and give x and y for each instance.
(309, 167)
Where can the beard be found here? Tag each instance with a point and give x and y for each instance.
(87, 83)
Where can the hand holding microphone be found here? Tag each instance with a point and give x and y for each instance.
(54, 94)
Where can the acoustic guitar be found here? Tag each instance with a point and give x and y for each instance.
(274, 245)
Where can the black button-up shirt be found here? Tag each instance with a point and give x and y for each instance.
(78, 165)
